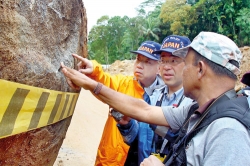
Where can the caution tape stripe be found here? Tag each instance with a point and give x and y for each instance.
(38, 111)
(64, 107)
(71, 106)
(24, 108)
(9, 118)
(55, 108)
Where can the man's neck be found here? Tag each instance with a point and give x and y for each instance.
(172, 90)
(211, 94)
(147, 84)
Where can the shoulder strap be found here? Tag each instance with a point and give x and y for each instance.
(183, 129)
(182, 132)
(159, 101)
(224, 97)
(212, 113)
(237, 108)
(173, 136)
(181, 99)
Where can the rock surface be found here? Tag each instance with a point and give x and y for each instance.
(36, 35)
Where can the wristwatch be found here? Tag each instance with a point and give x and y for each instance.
(117, 115)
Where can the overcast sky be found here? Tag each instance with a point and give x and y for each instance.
(97, 8)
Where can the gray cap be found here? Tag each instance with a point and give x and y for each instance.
(215, 47)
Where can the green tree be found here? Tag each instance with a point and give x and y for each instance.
(218, 16)
(243, 22)
(132, 36)
(116, 28)
(105, 39)
(149, 29)
(179, 15)
(149, 11)
(98, 42)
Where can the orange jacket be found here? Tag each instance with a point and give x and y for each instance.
(112, 151)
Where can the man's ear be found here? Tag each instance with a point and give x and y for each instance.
(159, 70)
(202, 69)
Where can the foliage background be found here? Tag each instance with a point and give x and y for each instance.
(113, 38)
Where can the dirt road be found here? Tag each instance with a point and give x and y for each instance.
(84, 133)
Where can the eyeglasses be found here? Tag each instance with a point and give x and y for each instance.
(171, 62)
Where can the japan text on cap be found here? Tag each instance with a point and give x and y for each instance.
(147, 49)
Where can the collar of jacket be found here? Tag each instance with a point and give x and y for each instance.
(157, 84)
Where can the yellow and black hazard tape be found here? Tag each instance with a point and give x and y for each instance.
(24, 108)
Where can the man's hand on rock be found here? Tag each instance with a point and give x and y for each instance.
(85, 66)
(76, 80)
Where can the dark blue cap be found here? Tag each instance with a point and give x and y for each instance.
(148, 48)
(172, 43)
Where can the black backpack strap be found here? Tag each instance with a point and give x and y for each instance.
(177, 155)
(181, 133)
(159, 101)
(183, 130)
(238, 109)
(159, 142)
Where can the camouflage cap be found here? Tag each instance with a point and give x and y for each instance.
(215, 47)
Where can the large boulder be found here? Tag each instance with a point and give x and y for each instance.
(36, 35)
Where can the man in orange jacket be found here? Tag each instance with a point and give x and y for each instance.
(112, 150)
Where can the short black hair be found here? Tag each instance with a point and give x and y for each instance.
(216, 68)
